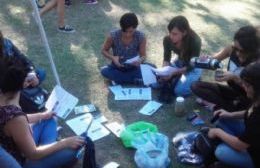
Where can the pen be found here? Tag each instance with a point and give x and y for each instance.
(79, 153)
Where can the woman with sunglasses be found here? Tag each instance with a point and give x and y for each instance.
(230, 97)
(126, 43)
(239, 130)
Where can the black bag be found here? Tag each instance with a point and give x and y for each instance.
(33, 99)
(89, 159)
(205, 146)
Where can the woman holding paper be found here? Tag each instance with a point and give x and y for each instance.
(185, 43)
(35, 146)
(129, 51)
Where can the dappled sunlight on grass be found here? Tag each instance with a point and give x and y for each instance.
(231, 10)
(16, 10)
(116, 10)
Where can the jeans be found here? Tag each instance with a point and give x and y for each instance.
(44, 133)
(113, 73)
(7, 161)
(224, 96)
(226, 154)
(182, 88)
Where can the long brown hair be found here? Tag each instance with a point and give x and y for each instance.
(1, 45)
(251, 74)
(182, 24)
(247, 37)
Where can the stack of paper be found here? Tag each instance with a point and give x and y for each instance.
(131, 93)
(150, 108)
(164, 71)
(149, 73)
(96, 130)
(61, 102)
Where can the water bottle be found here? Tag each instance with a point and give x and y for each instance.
(205, 63)
(179, 108)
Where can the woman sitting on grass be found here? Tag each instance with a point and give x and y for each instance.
(241, 147)
(35, 147)
(230, 97)
(126, 43)
(185, 43)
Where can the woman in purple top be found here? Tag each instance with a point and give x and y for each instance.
(126, 43)
(32, 138)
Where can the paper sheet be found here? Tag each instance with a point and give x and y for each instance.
(111, 165)
(97, 131)
(134, 94)
(132, 60)
(164, 71)
(100, 118)
(61, 102)
(116, 90)
(115, 128)
(79, 124)
(147, 74)
(150, 107)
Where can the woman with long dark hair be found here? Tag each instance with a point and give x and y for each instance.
(185, 43)
(231, 97)
(239, 130)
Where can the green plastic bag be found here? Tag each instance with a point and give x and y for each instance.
(136, 130)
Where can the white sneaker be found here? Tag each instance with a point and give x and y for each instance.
(90, 2)
(66, 29)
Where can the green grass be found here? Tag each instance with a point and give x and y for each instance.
(78, 57)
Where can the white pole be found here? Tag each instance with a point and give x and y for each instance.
(45, 41)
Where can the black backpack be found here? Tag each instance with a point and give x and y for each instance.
(33, 99)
